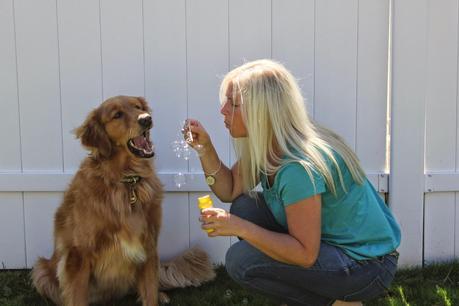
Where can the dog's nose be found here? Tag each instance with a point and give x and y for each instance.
(145, 121)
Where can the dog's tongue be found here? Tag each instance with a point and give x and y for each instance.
(141, 142)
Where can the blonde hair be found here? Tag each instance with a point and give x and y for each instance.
(274, 112)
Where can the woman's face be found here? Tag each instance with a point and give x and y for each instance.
(231, 110)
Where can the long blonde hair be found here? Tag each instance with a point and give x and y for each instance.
(274, 113)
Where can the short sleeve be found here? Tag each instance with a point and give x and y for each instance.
(295, 184)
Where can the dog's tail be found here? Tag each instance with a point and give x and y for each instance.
(45, 281)
(192, 268)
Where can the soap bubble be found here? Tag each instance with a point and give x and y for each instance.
(183, 150)
(228, 293)
(179, 179)
(175, 145)
(186, 152)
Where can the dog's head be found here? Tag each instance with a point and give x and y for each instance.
(120, 122)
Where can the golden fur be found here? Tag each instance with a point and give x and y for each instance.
(104, 246)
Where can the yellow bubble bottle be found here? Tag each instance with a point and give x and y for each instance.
(205, 202)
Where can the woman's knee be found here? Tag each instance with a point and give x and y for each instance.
(233, 262)
(238, 260)
(247, 207)
(239, 205)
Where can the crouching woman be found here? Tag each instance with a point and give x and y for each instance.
(318, 233)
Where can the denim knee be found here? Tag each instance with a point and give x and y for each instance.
(234, 262)
(239, 206)
(256, 211)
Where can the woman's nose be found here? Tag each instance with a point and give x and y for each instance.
(224, 109)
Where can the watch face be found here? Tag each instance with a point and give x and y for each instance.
(210, 180)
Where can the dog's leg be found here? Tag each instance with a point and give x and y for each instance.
(148, 281)
(74, 274)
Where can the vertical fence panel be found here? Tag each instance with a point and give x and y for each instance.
(207, 62)
(441, 93)
(456, 195)
(165, 76)
(122, 48)
(80, 71)
(295, 49)
(336, 66)
(407, 124)
(456, 227)
(249, 40)
(175, 230)
(39, 208)
(12, 244)
(439, 218)
(38, 81)
(10, 157)
(441, 89)
(373, 43)
(166, 92)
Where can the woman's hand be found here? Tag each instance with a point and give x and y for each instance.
(221, 222)
(195, 134)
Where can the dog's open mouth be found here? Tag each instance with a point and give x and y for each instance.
(141, 146)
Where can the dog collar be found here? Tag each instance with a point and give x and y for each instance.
(131, 180)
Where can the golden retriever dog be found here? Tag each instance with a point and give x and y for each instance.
(106, 229)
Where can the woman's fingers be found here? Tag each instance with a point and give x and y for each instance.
(187, 124)
(210, 216)
(208, 225)
(206, 219)
(191, 121)
(205, 223)
(210, 228)
(194, 133)
(211, 211)
(191, 124)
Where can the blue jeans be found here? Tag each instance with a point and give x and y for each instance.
(334, 276)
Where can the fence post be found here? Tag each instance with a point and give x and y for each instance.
(408, 124)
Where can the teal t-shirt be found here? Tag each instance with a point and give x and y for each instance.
(358, 220)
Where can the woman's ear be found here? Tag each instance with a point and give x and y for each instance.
(93, 136)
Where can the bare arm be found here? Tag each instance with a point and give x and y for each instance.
(300, 246)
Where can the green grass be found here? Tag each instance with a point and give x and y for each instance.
(433, 285)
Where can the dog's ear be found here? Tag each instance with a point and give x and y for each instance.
(93, 136)
(144, 104)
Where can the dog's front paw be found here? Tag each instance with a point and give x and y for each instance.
(164, 298)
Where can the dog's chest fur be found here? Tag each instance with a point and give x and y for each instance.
(125, 234)
(116, 264)
(128, 242)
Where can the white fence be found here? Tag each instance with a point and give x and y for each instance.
(424, 171)
(59, 59)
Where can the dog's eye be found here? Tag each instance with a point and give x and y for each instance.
(138, 106)
(118, 115)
